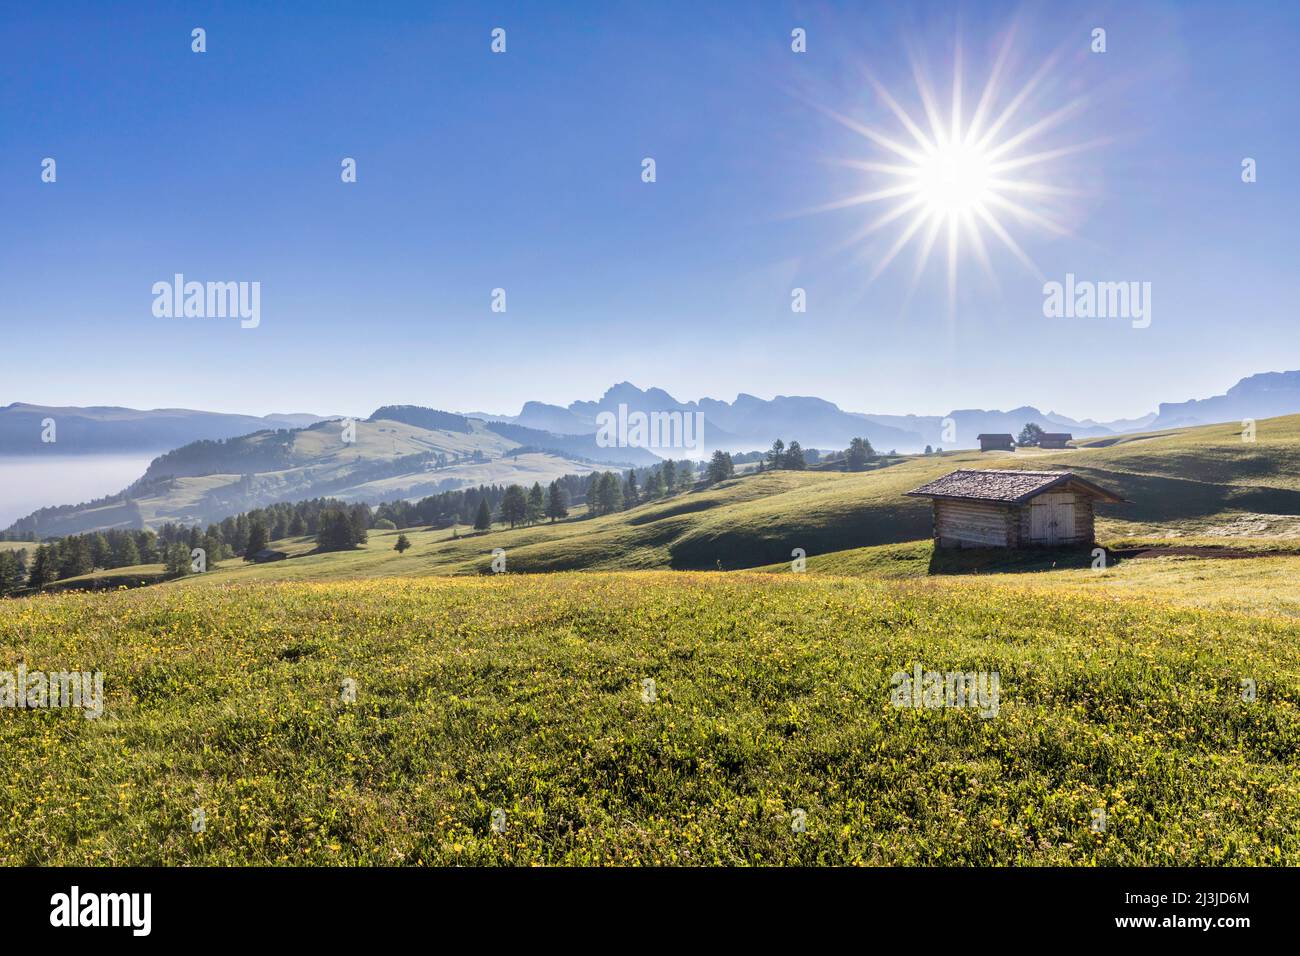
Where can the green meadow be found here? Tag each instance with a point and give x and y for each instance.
(526, 694)
(371, 707)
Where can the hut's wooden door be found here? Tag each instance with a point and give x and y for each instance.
(1051, 519)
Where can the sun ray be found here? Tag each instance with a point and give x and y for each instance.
(928, 104)
(952, 262)
(866, 131)
(897, 247)
(956, 94)
(1029, 132)
(990, 87)
(1029, 215)
(922, 258)
(1027, 186)
(1046, 156)
(997, 230)
(881, 221)
(863, 198)
(977, 243)
(927, 246)
(869, 167)
(1016, 102)
(903, 116)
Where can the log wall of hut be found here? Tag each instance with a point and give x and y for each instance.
(974, 524)
(977, 524)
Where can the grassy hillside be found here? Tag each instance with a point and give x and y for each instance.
(1201, 481)
(1213, 453)
(524, 694)
(740, 523)
(205, 483)
(758, 520)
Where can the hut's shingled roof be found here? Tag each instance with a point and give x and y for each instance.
(1006, 485)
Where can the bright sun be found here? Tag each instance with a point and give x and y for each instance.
(952, 179)
(969, 179)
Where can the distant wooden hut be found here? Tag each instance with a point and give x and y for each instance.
(1055, 440)
(267, 554)
(992, 508)
(997, 442)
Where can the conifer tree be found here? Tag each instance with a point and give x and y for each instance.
(536, 509)
(557, 502)
(44, 567)
(257, 538)
(721, 467)
(514, 505)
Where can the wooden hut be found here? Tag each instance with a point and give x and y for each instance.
(1055, 440)
(997, 442)
(1004, 508)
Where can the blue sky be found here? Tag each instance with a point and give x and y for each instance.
(523, 171)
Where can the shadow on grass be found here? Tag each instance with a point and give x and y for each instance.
(772, 539)
(104, 582)
(1010, 561)
(1028, 560)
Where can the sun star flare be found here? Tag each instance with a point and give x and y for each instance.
(970, 182)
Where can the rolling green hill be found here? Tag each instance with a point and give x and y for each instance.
(207, 481)
(758, 520)
(1205, 480)
(1199, 486)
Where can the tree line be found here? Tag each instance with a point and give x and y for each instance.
(173, 544)
(794, 457)
(338, 525)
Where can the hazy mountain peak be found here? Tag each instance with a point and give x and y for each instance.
(1263, 395)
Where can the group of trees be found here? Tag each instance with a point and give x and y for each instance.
(720, 468)
(80, 554)
(1030, 435)
(518, 506)
(603, 492)
(268, 450)
(342, 527)
(855, 457)
(609, 492)
(858, 454)
(794, 457)
(779, 457)
(468, 505)
(335, 525)
(13, 572)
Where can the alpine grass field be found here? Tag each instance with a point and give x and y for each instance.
(1122, 690)
(525, 694)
